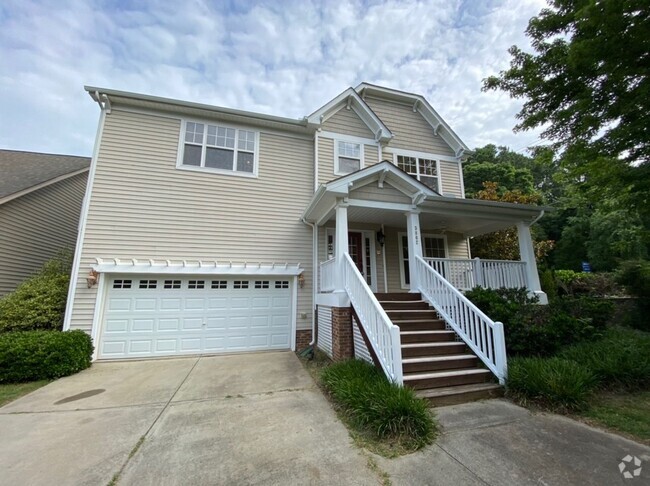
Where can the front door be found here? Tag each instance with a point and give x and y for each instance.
(355, 249)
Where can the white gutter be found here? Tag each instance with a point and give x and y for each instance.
(314, 286)
(315, 161)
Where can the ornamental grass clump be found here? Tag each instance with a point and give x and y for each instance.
(369, 401)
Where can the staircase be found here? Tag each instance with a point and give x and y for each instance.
(439, 367)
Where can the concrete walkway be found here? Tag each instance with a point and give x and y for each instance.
(498, 443)
(241, 419)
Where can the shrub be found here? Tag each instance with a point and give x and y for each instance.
(635, 276)
(502, 304)
(620, 359)
(381, 407)
(554, 383)
(583, 283)
(39, 355)
(548, 283)
(597, 311)
(39, 302)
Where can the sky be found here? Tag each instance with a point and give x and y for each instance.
(282, 58)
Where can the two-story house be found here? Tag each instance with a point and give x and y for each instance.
(213, 230)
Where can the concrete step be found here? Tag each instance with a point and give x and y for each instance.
(403, 314)
(427, 336)
(399, 296)
(432, 349)
(404, 304)
(440, 379)
(436, 363)
(453, 395)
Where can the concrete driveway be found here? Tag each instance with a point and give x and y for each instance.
(240, 419)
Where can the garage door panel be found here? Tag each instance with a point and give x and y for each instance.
(163, 316)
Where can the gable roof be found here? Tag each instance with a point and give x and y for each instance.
(351, 99)
(421, 105)
(23, 172)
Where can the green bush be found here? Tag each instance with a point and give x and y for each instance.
(39, 302)
(620, 359)
(635, 276)
(555, 383)
(531, 329)
(383, 408)
(548, 283)
(598, 312)
(583, 283)
(40, 355)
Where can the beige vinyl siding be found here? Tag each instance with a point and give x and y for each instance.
(34, 227)
(410, 130)
(371, 192)
(347, 122)
(450, 178)
(326, 158)
(143, 207)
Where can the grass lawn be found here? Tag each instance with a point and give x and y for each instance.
(625, 413)
(11, 391)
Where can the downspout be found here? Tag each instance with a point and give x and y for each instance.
(537, 218)
(316, 161)
(314, 286)
(383, 258)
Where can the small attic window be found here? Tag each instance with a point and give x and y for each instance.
(348, 157)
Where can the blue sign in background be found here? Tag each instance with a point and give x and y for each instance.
(586, 267)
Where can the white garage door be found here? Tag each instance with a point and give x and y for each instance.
(153, 315)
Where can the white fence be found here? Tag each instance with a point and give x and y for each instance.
(466, 274)
(381, 332)
(484, 336)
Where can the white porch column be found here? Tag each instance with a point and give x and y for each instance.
(341, 244)
(527, 252)
(414, 245)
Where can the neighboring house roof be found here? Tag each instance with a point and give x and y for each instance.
(24, 172)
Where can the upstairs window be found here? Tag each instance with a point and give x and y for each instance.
(219, 148)
(424, 170)
(348, 157)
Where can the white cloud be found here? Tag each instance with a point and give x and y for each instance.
(284, 58)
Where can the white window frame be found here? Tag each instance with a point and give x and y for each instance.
(421, 155)
(358, 141)
(400, 249)
(213, 170)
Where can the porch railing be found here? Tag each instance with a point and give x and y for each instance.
(484, 336)
(382, 334)
(328, 275)
(465, 274)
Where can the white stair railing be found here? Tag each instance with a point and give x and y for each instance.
(328, 275)
(484, 336)
(382, 334)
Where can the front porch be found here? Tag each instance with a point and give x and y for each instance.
(379, 230)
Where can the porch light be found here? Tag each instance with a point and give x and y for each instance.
(92, 278)
(301, 280)
(381, 237)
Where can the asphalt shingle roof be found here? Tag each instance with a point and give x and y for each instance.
(22, 170)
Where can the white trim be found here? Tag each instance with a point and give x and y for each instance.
(383, 257)
(400, 249)
(367, 203)
(204, 146)
(200, 267)
(98, 314)
(74, 274)
(294, 312)
(423, 155)
(348, 138)
(336, 157)
(437, 161)
(316, 140)
(41, 185)
(462, 180)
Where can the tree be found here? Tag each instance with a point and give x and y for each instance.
(587, 82)
(504, 244)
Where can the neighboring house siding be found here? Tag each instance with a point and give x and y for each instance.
(347, 122)
(143, 207)
(410, 130)
(36, 226)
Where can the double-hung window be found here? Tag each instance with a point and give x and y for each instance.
(348, 157)
(423, 169)
(219, 148)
